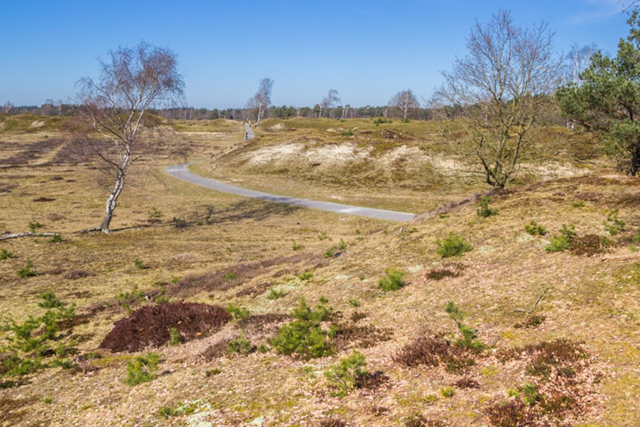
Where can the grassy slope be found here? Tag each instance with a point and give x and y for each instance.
(590, 299)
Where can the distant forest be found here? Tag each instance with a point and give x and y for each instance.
(550, 117)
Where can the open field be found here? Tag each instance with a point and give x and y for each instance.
(578, 349)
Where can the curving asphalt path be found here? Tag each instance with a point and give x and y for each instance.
(182, 172)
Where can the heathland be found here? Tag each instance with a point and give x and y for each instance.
(508, 307)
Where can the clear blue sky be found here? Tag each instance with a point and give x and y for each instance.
(368, 50)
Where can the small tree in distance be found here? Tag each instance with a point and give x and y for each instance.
(111, 128)
(504, 81)
(405, 101)
(328, 102)
(260, 103)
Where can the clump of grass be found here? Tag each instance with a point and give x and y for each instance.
(27, 270)
(296, 247)
(142, 369)
(344, 376)
(578, 205)
(323, 236)
(330, 253)
(484, 211)
(535, 229)
(392, 280)
(452, 245)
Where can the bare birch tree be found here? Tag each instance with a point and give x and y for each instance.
(329, 101)
(405, 101)
(260, 103)
(503, 82)
(111, 122)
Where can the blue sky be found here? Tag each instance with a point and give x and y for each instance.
(367, 50)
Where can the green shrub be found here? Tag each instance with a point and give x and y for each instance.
(27, 270)
(237, 312)
(447, 391)
(558, 244)
(535, 230)
(344, 376)
(322, 236)
(306, 275)
(34, 225)
(381, 120)
(347, 133)
(154, 212)
(613, 224)
(174, 337)
(142, 369)
(49, 300)
(452, 245)
(304, 337)
(275, 294)
(484, 211)
(140, 265)
(468, 340)
(230, 276)
(562, 242)
(392, 280)
(240, 345)
(354, 303)
(128, 299)
(530, 394)
(330, 253)
(56, 238)
(179, 222)
(296, 247)
(579, 204)
(5, 254)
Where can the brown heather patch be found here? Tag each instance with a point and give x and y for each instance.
(240, 273)
(150, 326)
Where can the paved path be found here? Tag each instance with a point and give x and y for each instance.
(248, 132)
(182, 172)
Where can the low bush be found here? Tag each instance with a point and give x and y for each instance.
(56, 238)
(392, 280)
(535, 229)
(5, 254)
(142, 369)
(561, 242)
(344, 376)
(613, 224)
(240, 345)
(237, 312)
(484, 211)
(305, 337)
(34, 226)
(452, 245)
(468, 340)
(27, 270)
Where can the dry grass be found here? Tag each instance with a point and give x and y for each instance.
(591, 299)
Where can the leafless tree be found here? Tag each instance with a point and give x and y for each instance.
(503, 82)
(329, 101)
(111, 125)
(7, 107)
(577, 60)
(260, 103)
(405, 101)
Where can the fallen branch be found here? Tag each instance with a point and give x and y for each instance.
(18, 235)
(535, 305)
